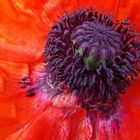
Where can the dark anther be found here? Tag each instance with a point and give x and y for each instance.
(25, 82)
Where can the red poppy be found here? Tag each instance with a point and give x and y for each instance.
(23, 29)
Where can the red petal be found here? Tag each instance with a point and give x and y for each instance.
(130, 125)
(61, 122)
(22, 34)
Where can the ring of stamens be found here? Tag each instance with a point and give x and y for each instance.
(92, 56)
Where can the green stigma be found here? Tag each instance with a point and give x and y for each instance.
(88, 60)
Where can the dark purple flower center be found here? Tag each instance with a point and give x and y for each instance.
(92, 56)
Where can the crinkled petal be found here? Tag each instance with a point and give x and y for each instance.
(22, 33)
(16, 109)
(55, 122)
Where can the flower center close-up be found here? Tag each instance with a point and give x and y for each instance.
(92, 55)
(70, 70)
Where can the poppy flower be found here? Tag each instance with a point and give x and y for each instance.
(65, 66)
